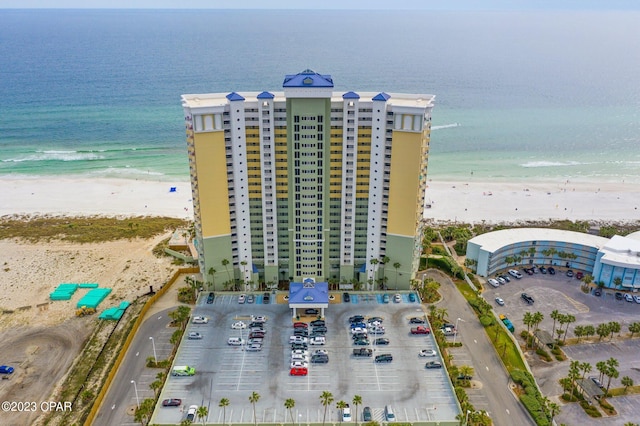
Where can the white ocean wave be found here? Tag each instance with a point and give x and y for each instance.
(127, 170)
(551, 163)
(445, 126)
(56, 156)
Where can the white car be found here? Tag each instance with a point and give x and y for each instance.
(299, 358)
(499, 301)
(258, 318)
(628, 297)
(242, 298)
(515, 274)
(298, 339)
(321, 352)
(318, 340)
(375, 323)
(493, 282)
(200, 320)
(194, 336)
(299, 364)
(235, 341)
(397, 298)
(239, 325)
(501, 280)
(636, 299)
(300, 352)
(191, 413)
(254, 347)
(377, 330)
(358, 330)
(427, 352)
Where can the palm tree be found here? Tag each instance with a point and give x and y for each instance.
(341, 405)
(253, 398)
(614, 327)
(326, 398)
(202, 412)
(289, 403)
(465, 371)
(586, 368)
(225, 263)
(224, 403)
(569, 319)
(212, 272)
(601, 366)
(528, 320)
(626, 382)
(537, 319)
(396, 265)
(634, 327)
(602, 330)
(357, 400)
(555, 315)
(554, 409)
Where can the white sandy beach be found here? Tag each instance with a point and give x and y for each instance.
(473, 202)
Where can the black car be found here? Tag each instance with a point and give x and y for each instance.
(543, 270)
(210, 298)
(266, 298)
(527, 298)
(295, 346)
(361, 342)
(384, 358)
(366, 414)
(256, 324)
(300, 332)
(417, 320)
(551, 270)
(463, 377)
(374, 319)
(311, 312)
(317, 323)
(381, 341)
(319, 359)
(319, 329)
(172, 402)
(619, 295)
(433, 364)
(505, 277)
(359, 336)
(346, 298)
(356, 318)
(597, 292)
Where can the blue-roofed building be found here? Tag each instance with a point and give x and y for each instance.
(308, 294)
(308, 182)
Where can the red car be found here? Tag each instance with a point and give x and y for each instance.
(300, 325)
(299, 371)
(173, 402)
(420, 330)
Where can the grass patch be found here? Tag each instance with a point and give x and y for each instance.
(92, 229)
(631, 390)
(590, 409)
(608, 408)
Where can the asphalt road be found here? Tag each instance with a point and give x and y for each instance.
(493, 395)
(121, 397)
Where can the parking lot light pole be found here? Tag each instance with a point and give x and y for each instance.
(155, 356)
(299, 418)
(135, 388)
(455, 332)
(466, 418)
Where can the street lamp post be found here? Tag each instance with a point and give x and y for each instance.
(466, 417)
(135, 388)
(299, 418)
(455, 332)
(155, 356)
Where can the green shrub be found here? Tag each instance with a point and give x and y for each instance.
(487, 320)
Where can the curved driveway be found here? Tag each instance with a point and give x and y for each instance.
(493, 394)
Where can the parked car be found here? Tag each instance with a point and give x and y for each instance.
(527, 298)
(619, 295)
(374, 320)
(359, 336)
(499, 301)
(528, 271)
(239, 325)
(319, 329)
(384, 358)
(266, 298)
(412, 297)
(628, 297)
(636, 299)
(385, 298)
(258, 318)
(433, 364)
(298, 371)
(493, 282)
(299, 346)
(417, 320)
(427, 352)
(250, 298)
(300, 325)
(320, 359)
(242, 298)
(317, 323)
(420, 330)
(194, 336)
(597, 382)
(543, 270)
(366, 414)
(377, 330)
(500, 280)
(579, 275)
(254, 347)
(311, 312)
(356, 318)
(257, 335)
(319, 340)
(6, 369)
(210, 297)
(361, 342)
(551, 270)
(191, 413)
(597, 292)
(298, 339)
(397, 298)
(463, 377)
(381, 341)
(570, 273)
(357, 330)
(515, 274)
(200, 320)
(235, 341)
(301, 332)
(321, 352)
(299, 352)
(171, 402)
(362, 352)
(345, 297)
(299, 364)
(506, 278)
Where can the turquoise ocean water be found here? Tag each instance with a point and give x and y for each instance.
(520, 95)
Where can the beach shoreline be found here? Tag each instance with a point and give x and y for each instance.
(447, 201)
